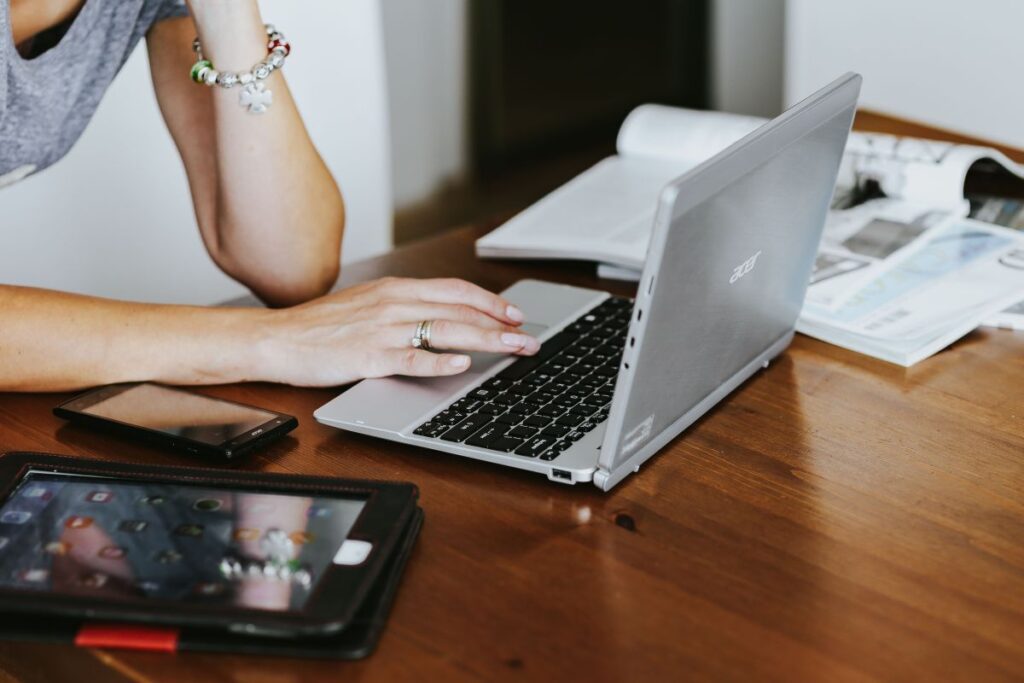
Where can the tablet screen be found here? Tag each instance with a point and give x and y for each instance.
(118, 539)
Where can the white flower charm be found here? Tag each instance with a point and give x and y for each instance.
(256, 97)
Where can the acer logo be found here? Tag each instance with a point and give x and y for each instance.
(744, 268)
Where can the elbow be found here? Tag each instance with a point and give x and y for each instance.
(297, 285)
(280, 280)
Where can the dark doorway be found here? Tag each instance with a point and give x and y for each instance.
(551, 77)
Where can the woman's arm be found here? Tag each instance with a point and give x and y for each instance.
(50, 341)
(269, 211)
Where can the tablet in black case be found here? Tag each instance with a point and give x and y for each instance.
(340, 615)
(358, 640)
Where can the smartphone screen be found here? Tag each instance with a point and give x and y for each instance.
(115, 539)
(180, 413)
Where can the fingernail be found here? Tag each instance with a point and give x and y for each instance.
(514, 313)
(459, 361)
(516, 341)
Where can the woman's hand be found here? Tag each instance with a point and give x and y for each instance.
(366, 331)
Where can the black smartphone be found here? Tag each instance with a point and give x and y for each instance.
(245, 552)
(182, 420)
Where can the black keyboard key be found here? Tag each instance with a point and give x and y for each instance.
(448, 417)
(486, 435)
(556, 450)
(586, 427)
(539, 398)
(569, 420)
(431, 429)
(466, 405)
(490, 409)
(581, 411)
(496, 383)
(556, 430)
(537, 421)
(550, 411)
(508, 419)
(482, 394)
(520, 409)
(576, 436)
(536, 446)
(466, 428)
(505, 444)
(523, 432)
(505, 399)
(520, 389)
(564, 403)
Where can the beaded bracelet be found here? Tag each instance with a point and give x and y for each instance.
(255, 95)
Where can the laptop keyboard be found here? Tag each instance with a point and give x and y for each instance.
(542, 404)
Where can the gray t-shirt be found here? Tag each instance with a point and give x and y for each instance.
(47, 101)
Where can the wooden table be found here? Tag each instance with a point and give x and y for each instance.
(837, 518)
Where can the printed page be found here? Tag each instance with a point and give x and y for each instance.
(962, 270)
(862, 242)
(654, 131)
(922, 171)
(605, 214)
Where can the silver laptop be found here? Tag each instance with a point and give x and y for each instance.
(727, 269)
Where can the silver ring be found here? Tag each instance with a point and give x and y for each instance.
(421, 340)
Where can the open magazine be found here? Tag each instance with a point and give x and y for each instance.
(894, 196)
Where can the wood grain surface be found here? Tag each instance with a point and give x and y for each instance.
(836, 519)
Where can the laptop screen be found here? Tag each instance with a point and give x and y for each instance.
(727, 270)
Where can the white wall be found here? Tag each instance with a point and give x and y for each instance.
(946, 62)
(747, 56)
(426, 52)
(114, 218)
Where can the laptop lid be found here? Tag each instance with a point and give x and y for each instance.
(727, 269)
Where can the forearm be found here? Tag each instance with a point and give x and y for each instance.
(51, 341)
(275, 217)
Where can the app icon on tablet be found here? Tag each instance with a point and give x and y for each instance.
(209, 588)
(168, 557)
(301, 537)
(153, 500)
(93, 580)
(34, 575)
(208, 504)
(57, 548)
(189, 530)
(132, 526)
(15, 517)
(100, 496)
(246, 534)
(38, 492)
(77, 522)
